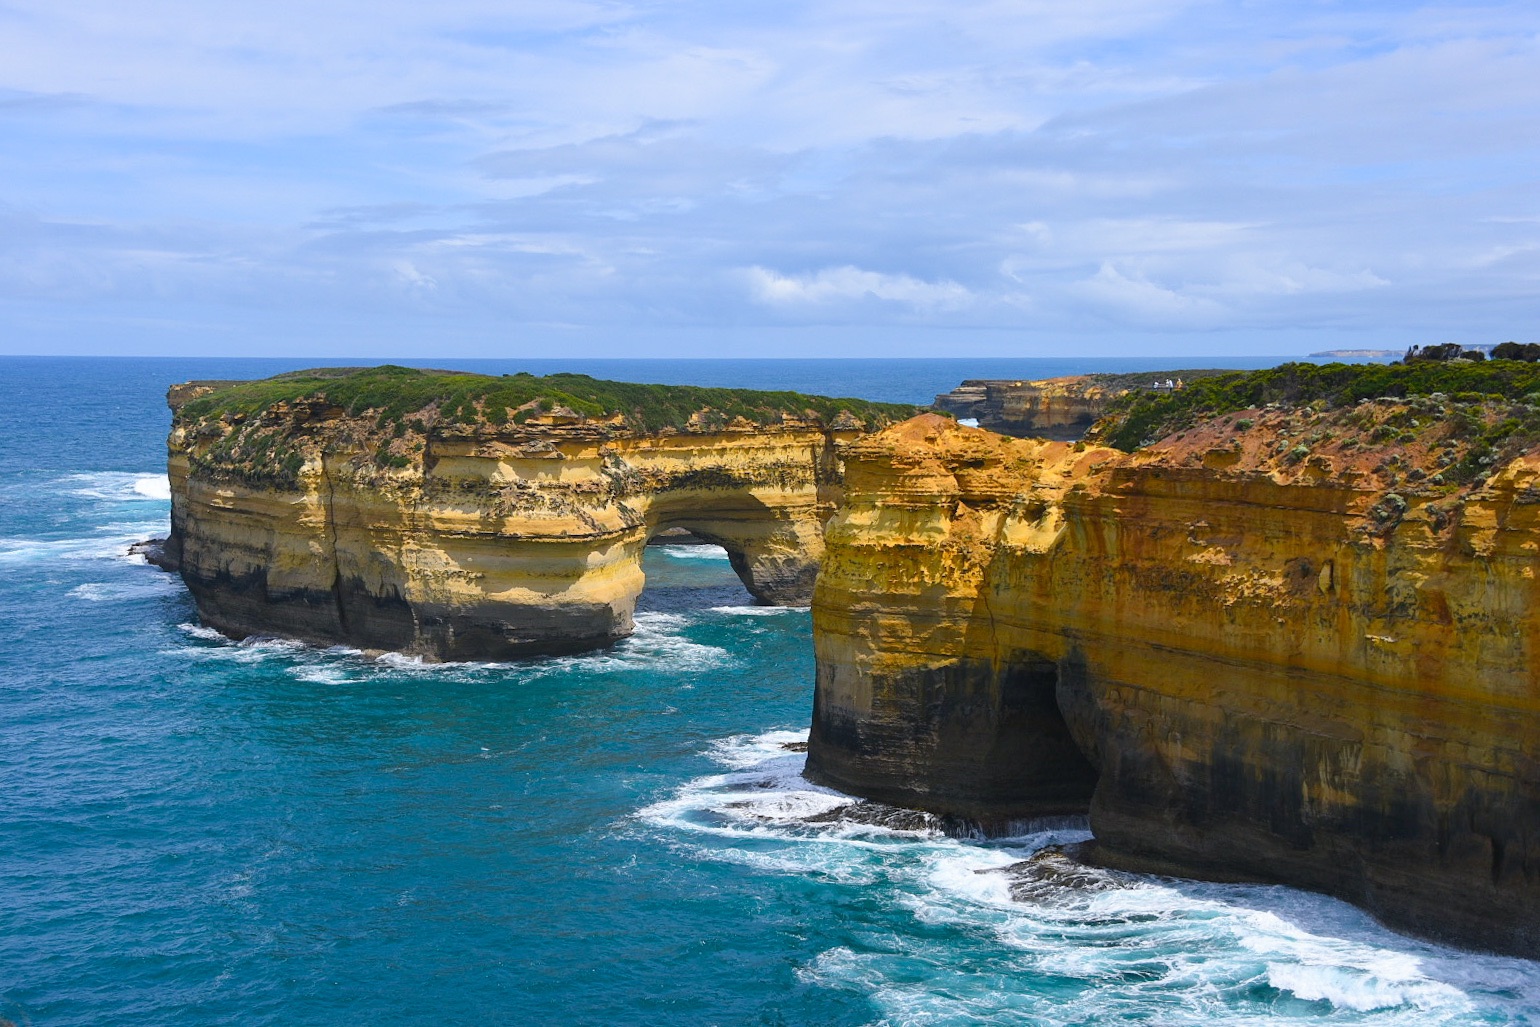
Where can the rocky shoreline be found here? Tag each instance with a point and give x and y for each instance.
(1277, 626)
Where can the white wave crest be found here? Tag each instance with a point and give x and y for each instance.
(147, 587)
(1112, 946)
(1365, 989)
(110, 542)
(693, 552)
(322, 675)
(759, 611)
(656, 643)
(153, 487)
(119, 486)
(253, 649)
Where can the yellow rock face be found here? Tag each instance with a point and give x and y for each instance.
(1052, 408)
(475, 544)
(1245, 669)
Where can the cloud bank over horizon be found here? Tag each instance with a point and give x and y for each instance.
(846, 178)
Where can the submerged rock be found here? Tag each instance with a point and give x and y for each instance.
(1053, 873)
(879, 814)
(154, 552)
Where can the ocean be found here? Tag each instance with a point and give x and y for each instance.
(197, 831)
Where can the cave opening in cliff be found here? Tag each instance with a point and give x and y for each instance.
(687, 572)
(1044, 766)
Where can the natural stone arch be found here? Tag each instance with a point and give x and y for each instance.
(485, 549)
(775, 554)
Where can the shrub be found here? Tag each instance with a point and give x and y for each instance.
(1143, 415)
(392, 392)
(1528, 352)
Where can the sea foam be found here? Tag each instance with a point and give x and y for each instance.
(118, 486)
(1002, 936)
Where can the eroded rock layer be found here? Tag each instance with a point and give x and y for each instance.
(1272, 646)
(1062, 408)
(460, 531)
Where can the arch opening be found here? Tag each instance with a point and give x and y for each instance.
(683, 571)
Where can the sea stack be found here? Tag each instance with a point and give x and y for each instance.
(467, 517)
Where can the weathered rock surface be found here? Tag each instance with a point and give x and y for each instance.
(1050, 408)
(1316, 668)
(459, 535)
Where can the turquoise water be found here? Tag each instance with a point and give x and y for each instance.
(194, 831)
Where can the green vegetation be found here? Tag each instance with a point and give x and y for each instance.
(1527, 351)
(1145, 415)
(391, 393)
(1445, 352)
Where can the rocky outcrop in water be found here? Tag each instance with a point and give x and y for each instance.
(464, 517)
(1293, 644)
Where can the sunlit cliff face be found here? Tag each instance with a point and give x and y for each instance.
(1282, 644)
(476, 540)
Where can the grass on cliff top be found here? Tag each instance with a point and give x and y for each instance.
(1144, 416)
(393, 392)
(1142, 379)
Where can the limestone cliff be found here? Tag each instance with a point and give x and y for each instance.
(1052, 408)
(464, 517)
(1293, 643)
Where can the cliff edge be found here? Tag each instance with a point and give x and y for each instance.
(461, 516)
(1063, 408)
(1293, 638)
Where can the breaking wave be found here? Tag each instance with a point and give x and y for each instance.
(693, 552)
(118, 486)
(109, 542)
(146, 587)
(1018, 930)
(658, 644)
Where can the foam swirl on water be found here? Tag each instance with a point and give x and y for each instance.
(1011, 930)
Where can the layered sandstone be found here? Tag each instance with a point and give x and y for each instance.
(458, 531)
(1052, 408)
(1275, 646)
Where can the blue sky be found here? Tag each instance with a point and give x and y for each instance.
(842, 178)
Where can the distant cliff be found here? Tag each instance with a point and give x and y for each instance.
(1053, 408)
(469, 517)
(1294, 639)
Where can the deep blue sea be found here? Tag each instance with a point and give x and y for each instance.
(194, 831)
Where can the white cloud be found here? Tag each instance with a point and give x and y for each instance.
(843, 284)
(1133, 298)
(1107, 168)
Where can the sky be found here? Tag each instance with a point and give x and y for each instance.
(860, 178)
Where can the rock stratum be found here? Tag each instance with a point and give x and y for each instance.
(1062, 408)
(1289, 641)
(464, 517)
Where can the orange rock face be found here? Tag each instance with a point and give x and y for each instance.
(1246, 661)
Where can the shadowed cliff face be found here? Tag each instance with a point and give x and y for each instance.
(456, 537)
(1315, 669)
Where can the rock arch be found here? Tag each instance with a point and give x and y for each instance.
(484, 549)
